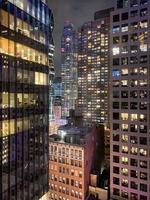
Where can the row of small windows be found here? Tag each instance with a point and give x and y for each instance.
(130, 127)
(132, 161)
(66, 152)
(133, 139)
(132, 71)
(133, 94)
(131, 117)
(134, 37)
(133, 196)
(125, 16)
(128, 150)
(72, 162)
(64, 190)
(133, 26)
(68, 181)
(131, 83)
(131, 173)
(133, 3)
(132, 105)
(132, 60)
(133, 49)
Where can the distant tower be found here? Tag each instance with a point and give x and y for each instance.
(69, 68)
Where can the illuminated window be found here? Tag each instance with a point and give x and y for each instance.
(143, 47)
(124, 116)
(116, 50)
(134, 117)
(134, 150)
(124, 149)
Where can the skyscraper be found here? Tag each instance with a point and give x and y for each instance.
(130, 90)
(93, 68)
(25, 34)
(69, 68)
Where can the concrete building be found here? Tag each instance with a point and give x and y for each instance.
(130, 102)
(93, 69)
(25, 37)
(69, 68)
(71, 155)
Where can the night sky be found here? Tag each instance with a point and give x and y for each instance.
(77, 12)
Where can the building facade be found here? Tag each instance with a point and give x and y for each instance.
(25, 34)
(69, 68)
(93, 69)
(130, 90)
(71, 156)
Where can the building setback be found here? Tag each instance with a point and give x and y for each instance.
(130, 101)
(25, 36)
(93, 69)
(68, 68)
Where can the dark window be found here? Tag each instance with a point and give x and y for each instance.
(116, 159)
(134, 185)
(116, 137)
(143, 140)
(125, 38)
(116, 170)
(133, 106)
(116, 61)
(115, 105)
(116, 18)
(115, 148)
(124, 105)
(133, 3)
(134, 174)
(116, 181)
(143, 2)
(115, 126)
(115, 94)
(133, 162)
(115, 115)
(124, 16)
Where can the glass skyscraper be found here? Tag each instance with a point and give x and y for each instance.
(69, 68)
(25, 37)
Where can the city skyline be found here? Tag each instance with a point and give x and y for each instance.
(75, 125)
(77, 12)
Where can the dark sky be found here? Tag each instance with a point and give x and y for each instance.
(77, 12)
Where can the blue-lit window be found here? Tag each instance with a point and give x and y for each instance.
(115, 73)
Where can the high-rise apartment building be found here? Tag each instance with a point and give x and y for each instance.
(130, 101)
(25, 34)
(93, 68)
(69, 68)
(71, 157)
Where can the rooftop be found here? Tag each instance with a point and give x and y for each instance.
(71, 135)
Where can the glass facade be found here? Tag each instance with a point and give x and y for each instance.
(69, 68)
(25, 37)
